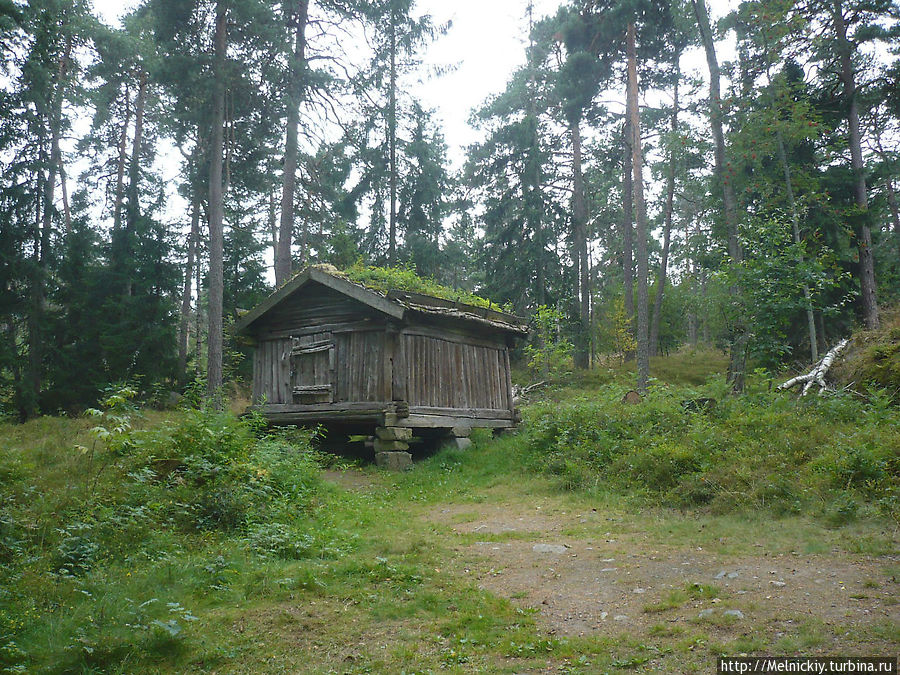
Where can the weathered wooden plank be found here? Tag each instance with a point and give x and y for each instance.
(312, 389)
(283, 355)
(372, 323)
(483, 395)
(312, 349)
(448, 421)
(353, 406)
(507, 377)
(460, 412)
(342, 372)
(272, 357)
(496, 372)
(255, 392)
(399, 371)
(411, 372)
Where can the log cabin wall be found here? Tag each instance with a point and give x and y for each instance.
(272, 371)
(317, 316)
(452, 370)
(313, 309)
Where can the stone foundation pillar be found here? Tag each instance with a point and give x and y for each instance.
(392, 448)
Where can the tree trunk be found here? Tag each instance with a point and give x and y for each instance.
(216, 213)
(392, 142)
(183, 331)
(56, 156)
(667, 226)
(33, 371)
(628, 231)
(133, 210)
(273, 226)
(294, 99)
(64, 193)
(867, 286)
(640, 212)
(740, 336)
(820, 327)
(579, 220)
(198, 315)
(120, 165)
(43, 224)
(792, 203)
(134, 166)
(795, 229)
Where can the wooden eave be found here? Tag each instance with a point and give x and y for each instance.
(395, 304)
(348, 288)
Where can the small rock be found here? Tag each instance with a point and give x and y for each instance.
(620, 617)
(779, 584)
(603, 615)
(736, 613)
(609, 569)
(549, 548)
(706, 613)
(632, 398)
(721, 575)
(733, 575)
(639, 590)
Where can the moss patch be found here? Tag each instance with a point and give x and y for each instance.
(384, 279)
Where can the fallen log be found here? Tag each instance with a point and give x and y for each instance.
(817, 374)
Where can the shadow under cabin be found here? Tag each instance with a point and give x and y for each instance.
(398, 367)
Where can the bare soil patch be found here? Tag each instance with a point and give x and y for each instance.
(582, 579)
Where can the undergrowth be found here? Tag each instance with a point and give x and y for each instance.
(832, 456)
(112, 547)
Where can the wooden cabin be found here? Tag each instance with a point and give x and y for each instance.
(333, 352)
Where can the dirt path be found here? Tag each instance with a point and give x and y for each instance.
(584, 579)
(584, 573)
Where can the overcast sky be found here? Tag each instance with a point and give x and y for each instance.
(485, 44)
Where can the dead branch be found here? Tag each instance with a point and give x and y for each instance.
(520, 393)
(817, 374)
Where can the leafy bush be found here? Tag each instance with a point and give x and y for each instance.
(758, 451)
(550, 354)
(120, 540)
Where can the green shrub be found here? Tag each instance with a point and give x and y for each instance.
(127, 525)
(777, 453)
(76, 552)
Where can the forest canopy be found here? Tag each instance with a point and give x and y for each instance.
(651, 176)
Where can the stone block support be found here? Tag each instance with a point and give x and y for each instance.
(393, 433)
(394, 461)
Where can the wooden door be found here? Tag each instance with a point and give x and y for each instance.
(312, 368)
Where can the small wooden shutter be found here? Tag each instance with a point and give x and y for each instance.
(312, 368)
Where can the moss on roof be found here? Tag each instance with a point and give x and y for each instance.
(384, 279)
